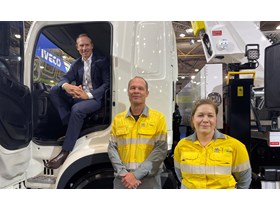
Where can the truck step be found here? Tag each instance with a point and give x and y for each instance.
(41, 181)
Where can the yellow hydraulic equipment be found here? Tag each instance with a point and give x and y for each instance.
(197, 26)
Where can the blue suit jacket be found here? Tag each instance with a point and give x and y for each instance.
(100, 75)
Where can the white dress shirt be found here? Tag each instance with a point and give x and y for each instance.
(87, 82)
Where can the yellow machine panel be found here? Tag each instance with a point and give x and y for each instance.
(197, 27)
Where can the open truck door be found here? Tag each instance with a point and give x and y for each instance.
(15, 108)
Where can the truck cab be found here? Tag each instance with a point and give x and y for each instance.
(31, 132)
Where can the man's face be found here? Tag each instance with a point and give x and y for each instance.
(137, 91)
(84, 46)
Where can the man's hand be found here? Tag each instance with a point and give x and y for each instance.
(129, 180)
(75, 91)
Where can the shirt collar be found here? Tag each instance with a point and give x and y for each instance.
(217, 135)
(145, 112)
(89, 59)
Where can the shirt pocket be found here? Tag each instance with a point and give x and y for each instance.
(121, 131)
(221, 159)
(145, 138)
(123, 147)
(189, 157)
(147, 130)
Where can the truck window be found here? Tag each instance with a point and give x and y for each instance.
(11, 50)
(50, 62)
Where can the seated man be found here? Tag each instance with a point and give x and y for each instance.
(73, 102)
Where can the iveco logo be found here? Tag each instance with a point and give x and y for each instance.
(50, 58)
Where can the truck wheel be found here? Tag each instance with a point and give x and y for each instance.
(98, 179)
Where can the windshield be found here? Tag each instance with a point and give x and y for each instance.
(50, 62)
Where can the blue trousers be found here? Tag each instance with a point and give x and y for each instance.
(72, 112)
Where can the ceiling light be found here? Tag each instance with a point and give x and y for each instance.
(278, 27)
(182, 35)
(189, 30)
(196, 70)
(17, 36)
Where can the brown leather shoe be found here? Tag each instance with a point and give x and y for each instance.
(58, 160)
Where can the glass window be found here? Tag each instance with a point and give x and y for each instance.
(50, 62)
(11, 50)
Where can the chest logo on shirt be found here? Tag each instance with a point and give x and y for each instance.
(216, 149)
(219, 150)
(227, 150)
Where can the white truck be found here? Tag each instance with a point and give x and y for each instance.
(251, 91)
(30, 130)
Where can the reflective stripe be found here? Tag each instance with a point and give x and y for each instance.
(176, 164)
(184, 186)
(241, 167)
(225, 170)
(123, 142)
(139, 140)
(113, 139)
(160, 137)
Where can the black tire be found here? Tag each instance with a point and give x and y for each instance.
(98, 179)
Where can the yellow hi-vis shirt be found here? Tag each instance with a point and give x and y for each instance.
(223, 163)
(139, 146)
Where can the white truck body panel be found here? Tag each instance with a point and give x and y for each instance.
(209, 80)
(237, 34)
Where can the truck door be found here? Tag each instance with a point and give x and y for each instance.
(15, 97)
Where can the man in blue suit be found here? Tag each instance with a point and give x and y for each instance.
(91, 75)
